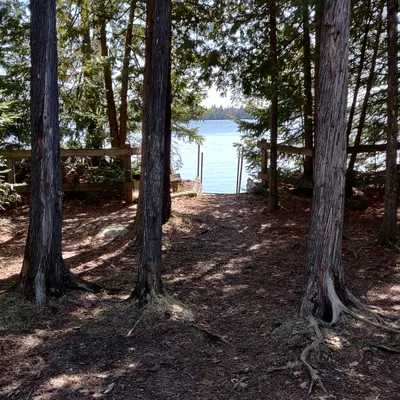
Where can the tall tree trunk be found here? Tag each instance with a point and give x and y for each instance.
(324, 289)
(168, 139)
(43, 270)
(387, 234)
(123, 115)
(363, 115)
(273, 169)
(111, 108)
(149, 281)
(308, 101)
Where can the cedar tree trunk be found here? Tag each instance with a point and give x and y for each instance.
(387, 234)
(324, 289)
(149, 281)
(43, 271)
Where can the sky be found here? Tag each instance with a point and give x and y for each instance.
(214, 98)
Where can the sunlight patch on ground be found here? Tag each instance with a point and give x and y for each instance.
(64, 380)
(29, 342)
(335, 342)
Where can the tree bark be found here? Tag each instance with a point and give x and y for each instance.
(149, 281)
(123, 115)
(43, 271)
(273, 169)
(308, 100)
(111, 108)
(387, 234)
(324, 290)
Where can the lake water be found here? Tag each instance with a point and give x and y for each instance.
(220, 159)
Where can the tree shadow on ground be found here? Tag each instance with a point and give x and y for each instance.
(239, 271)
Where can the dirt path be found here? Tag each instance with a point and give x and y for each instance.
(238, 272)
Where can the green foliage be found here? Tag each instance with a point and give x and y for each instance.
(14, 73)
(81, 172)
(226, 113)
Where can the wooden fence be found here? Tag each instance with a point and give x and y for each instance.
(264, 146)
(125, 153)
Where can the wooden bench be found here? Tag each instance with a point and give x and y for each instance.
(175, 181)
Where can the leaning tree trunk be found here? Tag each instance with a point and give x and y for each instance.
(324, 289)
(149, 281)
(43, 271)
(387, 234)
(273, 169)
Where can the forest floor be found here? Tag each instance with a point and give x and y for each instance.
(234, 275)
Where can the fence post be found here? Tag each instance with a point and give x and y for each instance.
(264, 166)
(11, 172)
(127, 163)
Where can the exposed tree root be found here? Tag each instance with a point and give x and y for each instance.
(338, 309)
(362, 307)
(384, 326)
(384, 347)
(75, 282)
(315, 379)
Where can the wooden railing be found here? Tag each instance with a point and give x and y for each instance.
(264, 146)
(125, 153)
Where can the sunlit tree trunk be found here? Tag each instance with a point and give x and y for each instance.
(149, 282)
(387, 234)
(324, 289)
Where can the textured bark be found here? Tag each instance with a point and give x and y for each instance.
(149, 281)
(123, 115)
(387, 234)
(43, 271)
(324, 289)
(273, 169)
(168, 139)
(308, 100)
(111, 108)
(363, 115)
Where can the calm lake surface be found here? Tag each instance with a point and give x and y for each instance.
(219, 156)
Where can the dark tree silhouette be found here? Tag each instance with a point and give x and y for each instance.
(44, 272)
(149, 281)
(387, 234)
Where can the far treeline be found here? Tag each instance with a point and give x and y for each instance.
(226, 113)
(311, 72)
